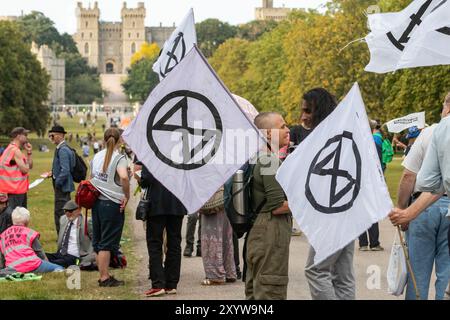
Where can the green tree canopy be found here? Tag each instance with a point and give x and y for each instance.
(83, 89)
(23, 83)
(40, 29)
(141, 80)
(211, 33)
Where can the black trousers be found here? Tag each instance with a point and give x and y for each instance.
(62, 260)
(374, 234)
(165, 275)
(236, 251)
(60, 200)
(190, 231)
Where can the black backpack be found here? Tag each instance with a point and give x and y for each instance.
(79, 170)
(241, 224)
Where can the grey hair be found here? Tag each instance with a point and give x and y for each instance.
(20, 216)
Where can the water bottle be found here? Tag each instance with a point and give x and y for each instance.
(238, 199)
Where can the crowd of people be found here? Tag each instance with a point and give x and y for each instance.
(422, 211)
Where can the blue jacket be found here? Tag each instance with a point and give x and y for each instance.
(63, 162)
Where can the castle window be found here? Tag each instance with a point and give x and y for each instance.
(129, 35)
(82, 35)
(90, 34)
(86, 48)
(134, 24)
(137, 35)
(87, 23)
(133, 47)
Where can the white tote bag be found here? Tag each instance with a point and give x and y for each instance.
(397, 273)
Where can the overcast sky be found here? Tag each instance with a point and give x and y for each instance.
(62, 12)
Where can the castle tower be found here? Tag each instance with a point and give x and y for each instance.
(87, 35)
(133, 32)
(267, 4)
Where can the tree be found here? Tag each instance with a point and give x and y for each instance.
(147, 51)
(141, 80)
(83, 89)
(254, 29)
(40, 29)
(23, 83)
(211, 33)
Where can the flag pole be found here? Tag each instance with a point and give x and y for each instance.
(408, 263)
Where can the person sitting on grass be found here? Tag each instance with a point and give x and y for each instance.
(74, 239)
(20, 247)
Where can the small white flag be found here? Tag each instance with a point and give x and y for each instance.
(177, 46)
(333, 180)
(191, 134)
(392, 32)
(414, 119)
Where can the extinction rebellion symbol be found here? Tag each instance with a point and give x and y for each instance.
(182, 101)
(175, 55)
(327, 167)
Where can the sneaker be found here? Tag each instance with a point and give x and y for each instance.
(111, 282)
(377, 248)
(188, 252)
(199, 252)
(171, 291)
(238, 274)
(296, 232)
(364, 248)
(155, 292)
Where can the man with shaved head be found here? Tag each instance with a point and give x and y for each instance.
(267, 255)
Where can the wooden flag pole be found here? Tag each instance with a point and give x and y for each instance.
(408, 263)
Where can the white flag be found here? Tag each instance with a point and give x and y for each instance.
(333, 180)
(177, 46)
(414, 119)
(430, 45)
(391, 33)
(191, 134)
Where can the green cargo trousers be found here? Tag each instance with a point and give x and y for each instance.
(268, 257)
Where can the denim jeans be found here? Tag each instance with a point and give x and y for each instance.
(47, 267)
(428, 244)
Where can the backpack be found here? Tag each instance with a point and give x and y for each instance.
(387, 152)
(79, 170)
(241, 224)
(86, 194)
(85, 197)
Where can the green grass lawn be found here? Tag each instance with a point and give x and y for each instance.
(393, 174)
(40, 203)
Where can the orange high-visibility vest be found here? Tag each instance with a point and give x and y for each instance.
(12, 180)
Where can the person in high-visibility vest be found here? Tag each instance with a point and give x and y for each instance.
(15, 167)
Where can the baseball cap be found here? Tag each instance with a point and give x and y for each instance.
(3, 197)
(18, 130)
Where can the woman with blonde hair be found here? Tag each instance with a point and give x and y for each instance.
(110, 176)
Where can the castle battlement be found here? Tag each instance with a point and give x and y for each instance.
(109, 46)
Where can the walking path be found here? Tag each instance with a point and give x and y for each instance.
(189, 288)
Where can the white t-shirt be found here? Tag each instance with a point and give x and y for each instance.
(97, 167)
(414, 159)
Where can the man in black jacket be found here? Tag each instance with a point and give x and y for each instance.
(166, 212)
